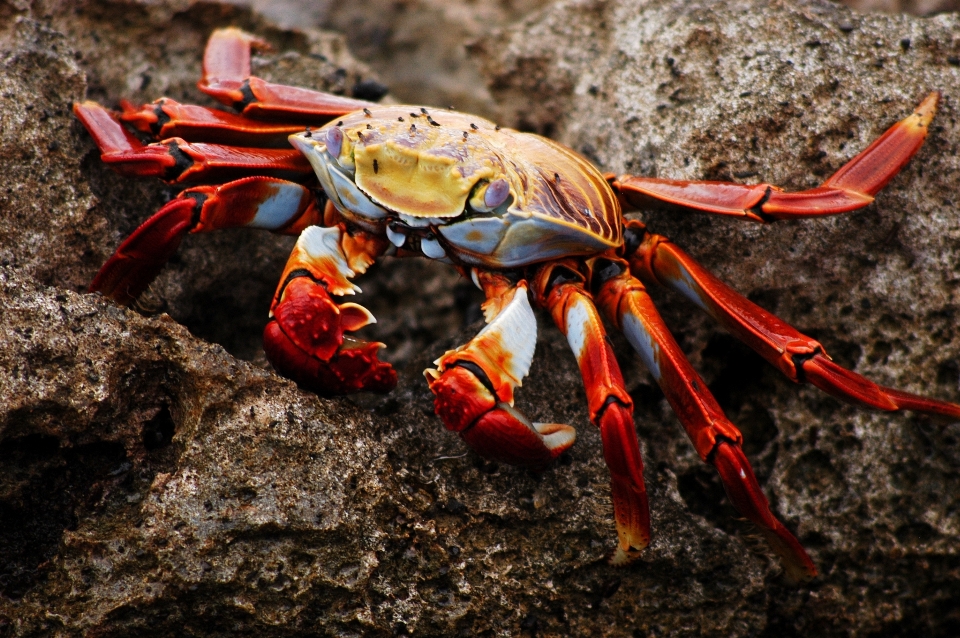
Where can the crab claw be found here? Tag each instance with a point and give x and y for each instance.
(504, 434)
(474, 391)
(492, 428)
(305, 341)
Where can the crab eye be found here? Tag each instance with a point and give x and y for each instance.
(334, 141)
(489, 196)
(497, 193)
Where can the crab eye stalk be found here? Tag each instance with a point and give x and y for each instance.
(334, 141)
(490, 196)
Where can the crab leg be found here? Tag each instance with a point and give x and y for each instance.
(560, 289)
(627, 305)
(166, 118)
(305, 339)
(176, 160)
(797, 356)
(254, 202)
(226, 78)
(850, 188)
(474, 384)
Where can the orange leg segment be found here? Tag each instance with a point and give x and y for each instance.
(799, 357)
(560, 290)
(166, 118)
(626, 303)
(850, 188)
(226, 78)
(176, 161)
(253, 202)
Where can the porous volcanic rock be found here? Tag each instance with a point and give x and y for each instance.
(151, 482)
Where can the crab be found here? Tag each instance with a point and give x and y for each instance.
(528, 220)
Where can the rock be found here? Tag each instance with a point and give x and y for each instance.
(421, 46)
(916, 7)
(151, 482)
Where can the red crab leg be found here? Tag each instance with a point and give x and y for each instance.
(226, 78)
(560, 289)
(165, 119)
(850, 188)
(474, 384)
(304, 339)
(797, 356)
(176, 160)
(254, 202)
(626, 303)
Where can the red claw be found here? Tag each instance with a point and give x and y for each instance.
(460, 398)
(493, 429)
(309, 318)
(505, 435)
(305, 342)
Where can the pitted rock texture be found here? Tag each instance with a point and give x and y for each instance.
(150, 482)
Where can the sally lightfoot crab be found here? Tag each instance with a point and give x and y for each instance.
(527, 219)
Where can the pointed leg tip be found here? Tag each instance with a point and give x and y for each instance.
(928, 107)
(632, 540)
(797, 565)
(622, 557)
(923, 114)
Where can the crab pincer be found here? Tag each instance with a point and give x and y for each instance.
(474, 387)
(305, 339)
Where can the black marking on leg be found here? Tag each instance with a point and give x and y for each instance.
(632, 238)
(757, 209)
(718, 441)
(605, 270)
(606, 404)
(198, 200)
(183, 162)
(800, 358)
(296, 274)
(561, 275)
(478, 372)
(247, 98)
(162, 119)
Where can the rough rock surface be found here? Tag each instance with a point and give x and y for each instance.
(151, 482)
(420, 46)
(916, 7)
